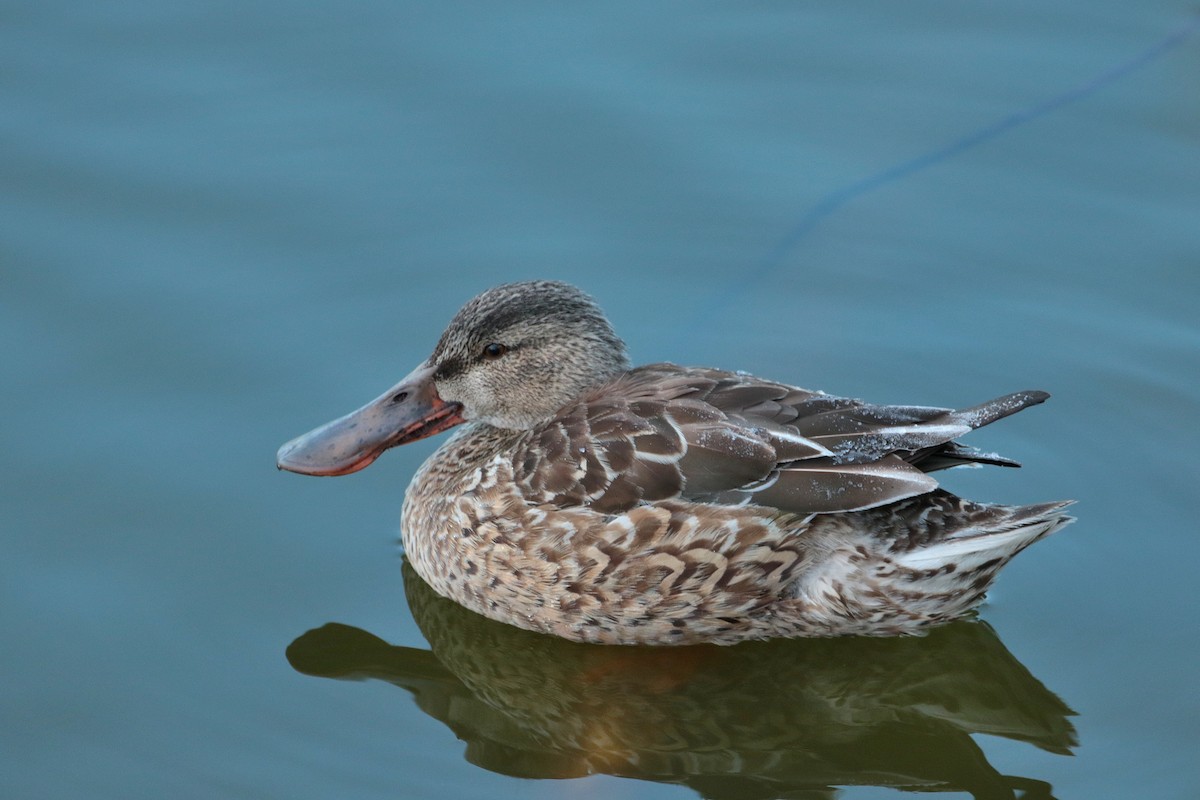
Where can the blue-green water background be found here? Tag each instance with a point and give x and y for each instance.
(225, 223)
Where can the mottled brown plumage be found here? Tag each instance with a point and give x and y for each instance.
(665, 504)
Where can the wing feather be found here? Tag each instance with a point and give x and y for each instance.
(663, 431)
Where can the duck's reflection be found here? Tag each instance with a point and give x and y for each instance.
(784, 718)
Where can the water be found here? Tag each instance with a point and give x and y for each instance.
(225, 224)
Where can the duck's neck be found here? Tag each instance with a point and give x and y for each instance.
(465, 482)
(455, 468)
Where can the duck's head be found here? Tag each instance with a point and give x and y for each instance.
(511, 357)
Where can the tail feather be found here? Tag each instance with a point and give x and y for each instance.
(919, 562)
(1002, 533)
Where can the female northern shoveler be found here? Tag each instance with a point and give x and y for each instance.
(672, 505)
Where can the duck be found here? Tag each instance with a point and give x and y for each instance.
(592, 500)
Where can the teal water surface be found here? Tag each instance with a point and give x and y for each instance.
(224, 224)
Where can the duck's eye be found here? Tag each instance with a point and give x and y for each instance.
(494, 350)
